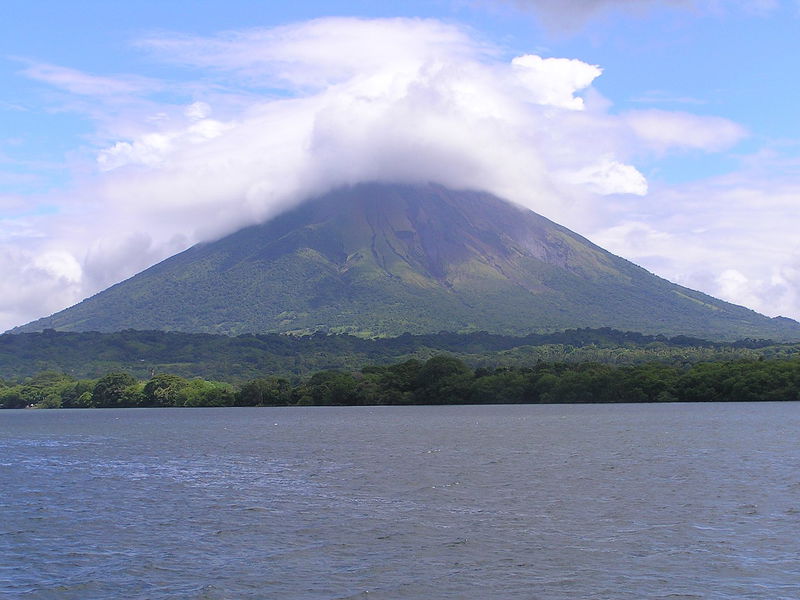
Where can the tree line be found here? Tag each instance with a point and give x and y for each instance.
(442, 379)
(238, 359)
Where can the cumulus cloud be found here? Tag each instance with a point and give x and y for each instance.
(280, 114)
(732, 237)
(554, 81)
(34, 282)
(608, 177)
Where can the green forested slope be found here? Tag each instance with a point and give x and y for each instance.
(236, 359)
(380, 260)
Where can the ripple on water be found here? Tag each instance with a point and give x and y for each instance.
(614, 502)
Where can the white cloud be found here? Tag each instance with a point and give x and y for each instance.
(59, 265)
(84, 84)
(303, 108)
(554, 81)
(734, 284)
(32, 283)
(663, 130)
(569, 15)
(153, 149)
(319, 53)
(609, 177)
(10, 202)
(198, 111)
(733, 237)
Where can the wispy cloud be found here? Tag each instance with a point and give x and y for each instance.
(663, 130)
(664, 97)
(12, 106)
(571, 14)
(84, 84)
(319, 53)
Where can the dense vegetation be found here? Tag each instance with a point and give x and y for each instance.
(441, 379)
(380, 260)
(238, 359)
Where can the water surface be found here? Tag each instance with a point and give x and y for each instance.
(553, 502)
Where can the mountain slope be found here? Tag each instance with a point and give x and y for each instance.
(384, 259)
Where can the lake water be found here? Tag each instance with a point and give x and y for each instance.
(464, 502)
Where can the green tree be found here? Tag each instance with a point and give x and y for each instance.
(115, 390)
(75, 396)
(393, 384)
(503, 387)
(11, 397)
(330, 388)
(51, 401)
(44, 385)
(443, 380)
(199, 392)
(164, 390)
(265, 391)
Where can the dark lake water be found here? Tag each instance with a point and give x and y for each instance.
(464, 502)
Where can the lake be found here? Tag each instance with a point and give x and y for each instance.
(672, 501)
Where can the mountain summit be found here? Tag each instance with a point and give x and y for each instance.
(378, 259)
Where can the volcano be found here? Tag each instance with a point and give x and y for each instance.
(379, 259)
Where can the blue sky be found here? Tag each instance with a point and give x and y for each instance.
(681, 151)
